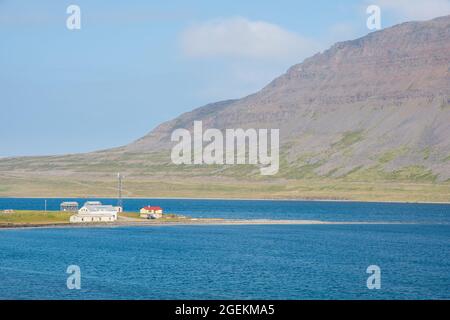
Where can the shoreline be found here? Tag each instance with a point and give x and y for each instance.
(238, 199)
(193, 222)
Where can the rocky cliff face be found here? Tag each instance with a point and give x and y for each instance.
(379, 104)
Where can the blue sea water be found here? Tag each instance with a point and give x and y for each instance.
(235, 262)
(267, 209)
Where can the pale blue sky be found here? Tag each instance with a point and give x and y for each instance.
(136, 64)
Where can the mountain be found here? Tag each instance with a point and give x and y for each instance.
(379, 100)
(372, 109)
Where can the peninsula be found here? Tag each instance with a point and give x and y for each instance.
(51, 219)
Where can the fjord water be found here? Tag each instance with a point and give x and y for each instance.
(267, 209)
(235, 262)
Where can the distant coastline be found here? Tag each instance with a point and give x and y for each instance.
(235, 199)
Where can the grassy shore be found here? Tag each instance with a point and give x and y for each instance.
(32, 218)
(167, 217)
(53, 219)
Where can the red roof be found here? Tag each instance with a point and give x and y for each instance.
(152, 208)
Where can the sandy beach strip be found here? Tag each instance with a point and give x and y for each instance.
(194, 222)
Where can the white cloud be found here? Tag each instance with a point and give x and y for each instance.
(239, 37)
(415, 9)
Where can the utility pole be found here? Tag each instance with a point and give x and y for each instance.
(119, 190)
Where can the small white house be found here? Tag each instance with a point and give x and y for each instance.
(150, 212)
(68, 206)
(95, 213)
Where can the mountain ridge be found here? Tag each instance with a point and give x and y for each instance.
(405, 66)
(376, 108)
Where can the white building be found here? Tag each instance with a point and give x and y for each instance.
(150, 212)
(69, 206)
(95, 212)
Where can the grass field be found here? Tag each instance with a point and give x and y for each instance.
(201, 187)
(24, 217)
(153, 175)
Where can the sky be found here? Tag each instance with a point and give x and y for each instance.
(136, 64)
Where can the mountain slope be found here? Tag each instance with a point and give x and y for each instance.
(371, 109)
(379, 101)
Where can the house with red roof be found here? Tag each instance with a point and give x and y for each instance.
(151, 212)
